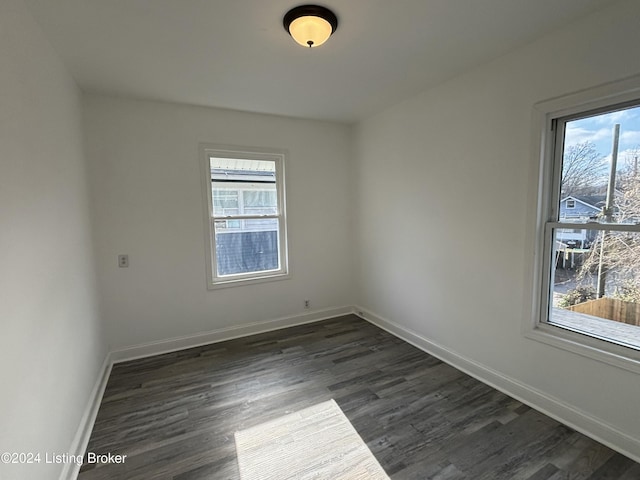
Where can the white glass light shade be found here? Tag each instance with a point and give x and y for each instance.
(310, 31)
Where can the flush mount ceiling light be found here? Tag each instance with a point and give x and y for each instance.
(310, 25)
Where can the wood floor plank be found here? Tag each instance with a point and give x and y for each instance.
(175, 415)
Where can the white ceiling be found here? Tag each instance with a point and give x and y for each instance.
(235, 53)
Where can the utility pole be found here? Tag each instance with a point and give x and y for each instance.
(607, 211)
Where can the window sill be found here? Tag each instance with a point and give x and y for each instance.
(594, 348)
(238, 282)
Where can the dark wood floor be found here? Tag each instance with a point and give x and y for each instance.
(175, 415)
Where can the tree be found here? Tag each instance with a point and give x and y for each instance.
(621, 249)
(621, 258)
(583, 170)
(629, 173)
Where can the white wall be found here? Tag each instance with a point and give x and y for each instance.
(144, 170)
(50, 344)
(447, 175)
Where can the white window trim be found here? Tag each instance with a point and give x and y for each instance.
(208, 150)
(535, 326)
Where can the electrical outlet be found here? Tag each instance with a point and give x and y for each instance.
(307, 304)
(123, 261)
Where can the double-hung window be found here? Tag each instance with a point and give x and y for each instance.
(244, 214)
(588, 267)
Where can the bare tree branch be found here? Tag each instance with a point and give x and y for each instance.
(583, 170)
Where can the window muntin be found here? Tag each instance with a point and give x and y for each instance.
(592, 255)
(245, 215)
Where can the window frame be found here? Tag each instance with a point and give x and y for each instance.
(548, 117)
(279, 157)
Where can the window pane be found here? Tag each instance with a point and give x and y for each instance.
(596, 284)
(260, 202)
(243, 187)
(587, 160)
(225, 201)
(246, 249)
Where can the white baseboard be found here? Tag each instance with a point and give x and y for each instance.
(555, 408)
(223, 334)
(81, 439)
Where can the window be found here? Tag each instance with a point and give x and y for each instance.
(588, 272)
(245, 215)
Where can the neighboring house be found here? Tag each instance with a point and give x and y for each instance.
(580, 209)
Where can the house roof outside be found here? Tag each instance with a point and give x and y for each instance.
(594, 201)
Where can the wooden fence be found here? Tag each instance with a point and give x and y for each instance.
(612, 309)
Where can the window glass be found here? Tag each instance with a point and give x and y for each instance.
(595, 262)
(225, 201)
(246, 250)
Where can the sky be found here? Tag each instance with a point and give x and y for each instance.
(599, 130)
